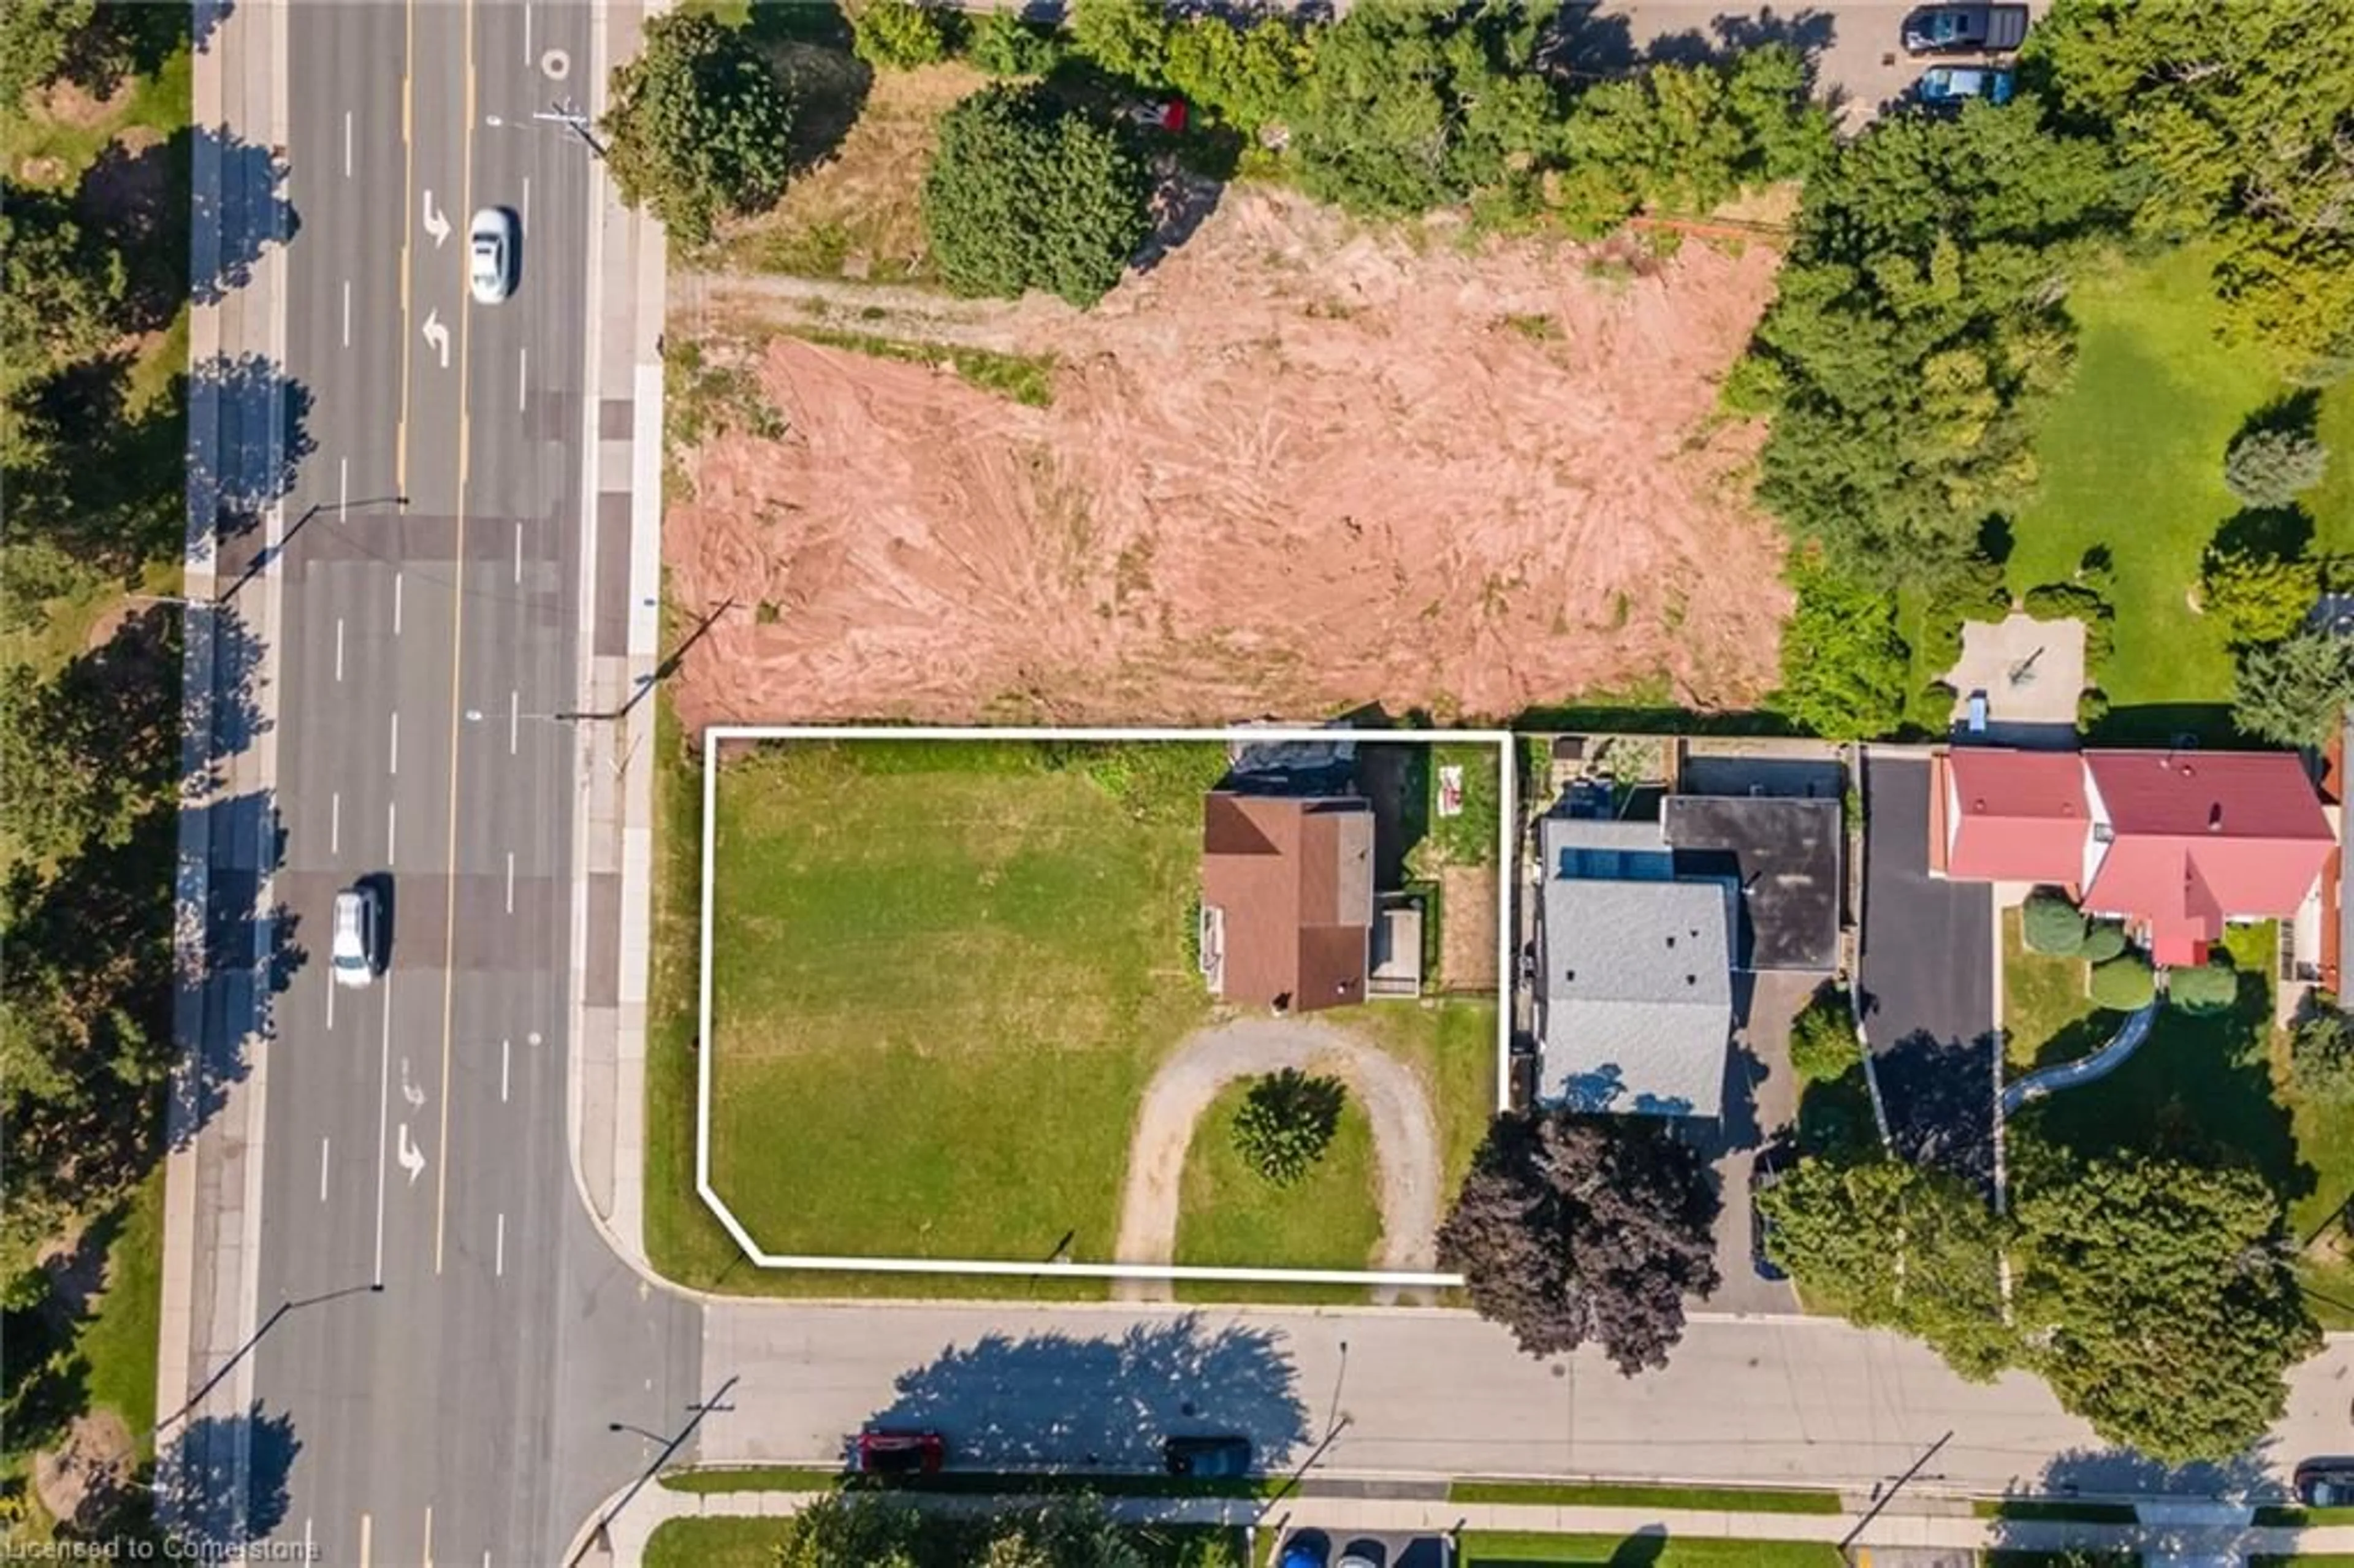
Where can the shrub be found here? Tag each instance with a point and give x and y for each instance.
(1026, 192)
(1822, 1038)
(1125, 37)
(898, 34)
(1843, 661)
(2321, 1054)
(2103, 942)
(2211, 987)
(1286, 1122)
(2124, 984)
(2272, 468)
(1003, 45)
(2048, 923)
(2258, 598)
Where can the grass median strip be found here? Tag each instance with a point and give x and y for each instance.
(1582, 1494)
(1533, 1549)
(2059, 1509)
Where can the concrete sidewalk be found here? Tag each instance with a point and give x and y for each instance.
(224, 935)
(619, 630)
(2212, 1533)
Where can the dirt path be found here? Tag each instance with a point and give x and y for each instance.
(1405, 1138)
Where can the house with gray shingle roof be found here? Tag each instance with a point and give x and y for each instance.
(1634, 985)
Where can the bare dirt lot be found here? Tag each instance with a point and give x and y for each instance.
(1294, 467)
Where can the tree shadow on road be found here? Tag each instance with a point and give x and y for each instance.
(1057, 1402)
(234, 220)
(258, 419)
(249, 957)
(209, 1501)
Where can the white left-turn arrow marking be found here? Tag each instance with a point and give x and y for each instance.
(412, 1159)
(437, 336)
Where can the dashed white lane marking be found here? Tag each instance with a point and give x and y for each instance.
(347, 175)
(499, 1250)
(391, 832)
(334, 833)
(322, 1198)
(339, 647)
(347, 313)
(518, 557)
(396, 604)
(396, 741)
(505, 1055)
(510, 882)
(514, 719)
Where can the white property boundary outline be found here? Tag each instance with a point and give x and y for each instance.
(1507, 885)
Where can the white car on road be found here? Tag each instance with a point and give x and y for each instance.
(352, 953)
(491, 246)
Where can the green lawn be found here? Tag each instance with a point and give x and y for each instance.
(120, 1338)
(2132, 459)
(2046, 1016)
(1230, 1214)
(940, 977)
(1590, 1494)
(2197, 1085)
(1531, 1549)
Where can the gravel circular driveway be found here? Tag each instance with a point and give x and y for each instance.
(1406, 1137)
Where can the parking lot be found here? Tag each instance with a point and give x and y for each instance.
(1855, 44)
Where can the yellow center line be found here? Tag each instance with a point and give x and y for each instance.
(457, 654)
(407, 220)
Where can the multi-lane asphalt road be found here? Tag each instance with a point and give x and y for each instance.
(415, 1130)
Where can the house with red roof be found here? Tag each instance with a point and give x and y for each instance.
(2175, 843)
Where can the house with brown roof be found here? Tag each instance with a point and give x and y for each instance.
(2175, 844)
(1286, 898)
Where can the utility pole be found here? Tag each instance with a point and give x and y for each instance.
(1888, 1496)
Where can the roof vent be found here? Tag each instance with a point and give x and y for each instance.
(1671, 938)
(1692, 979)
(2215, 818)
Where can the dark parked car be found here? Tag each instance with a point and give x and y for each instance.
(1950, 87)
(1965, 29)
(1764, 1171)
(2325, 1483)
(889, 1453)
(1219, 1455)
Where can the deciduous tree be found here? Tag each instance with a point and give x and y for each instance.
(697, 126)
(1843, 663)
(1573, 1229)
(2157, 1300)
(1888, 1244)
(2239, 120)
(35, 36)
(1028, 191)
